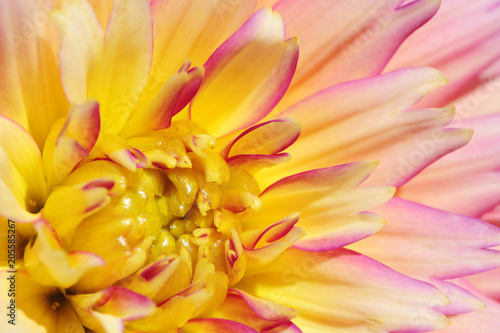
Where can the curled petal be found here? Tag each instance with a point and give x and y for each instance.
(109, 309)
(268, 138)
(46, 250)
(224, 105)
(70, 142)
(215, 325)
(22, 184)
(325, 197)
(175, 94)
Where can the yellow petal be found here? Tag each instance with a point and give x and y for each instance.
(46, 250)
(22, 184)
(122, 71)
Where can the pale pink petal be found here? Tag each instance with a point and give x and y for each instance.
(437, 244)
(487, 282)
(373, 119)
(345, 40)
(466, 181)
(434, 245)
(22, 184)
(246, 76)
(485, 320)
(463, 41)
(344, 290)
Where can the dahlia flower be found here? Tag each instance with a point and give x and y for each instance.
(176, 166)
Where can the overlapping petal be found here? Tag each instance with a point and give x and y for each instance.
(32, 93)
(342, 41)
(342, 290)
(373, 119)
(466, 181)
(235, 95)
(22, 184)
(438, 246)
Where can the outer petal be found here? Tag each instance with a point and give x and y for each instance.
(466, 181)
(31, 87)
(342, 40)
(437, 245)
(344, 290)
(485, 320)
(463, 41)
(440, 244)
(372, 119)
(121, 75)
(328, 203)
(22, 184)
(46, 250)
(263, 64)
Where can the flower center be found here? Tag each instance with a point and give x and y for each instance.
(187, 204)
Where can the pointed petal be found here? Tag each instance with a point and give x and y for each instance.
(122, 72)
(486, 320)
(344, 290)
(360, 120)
(264, 63)
(331, 208)
(466, 181)
(22, 184)
(462, 40)
(40, 257)
(437, 244)
(342, 41)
